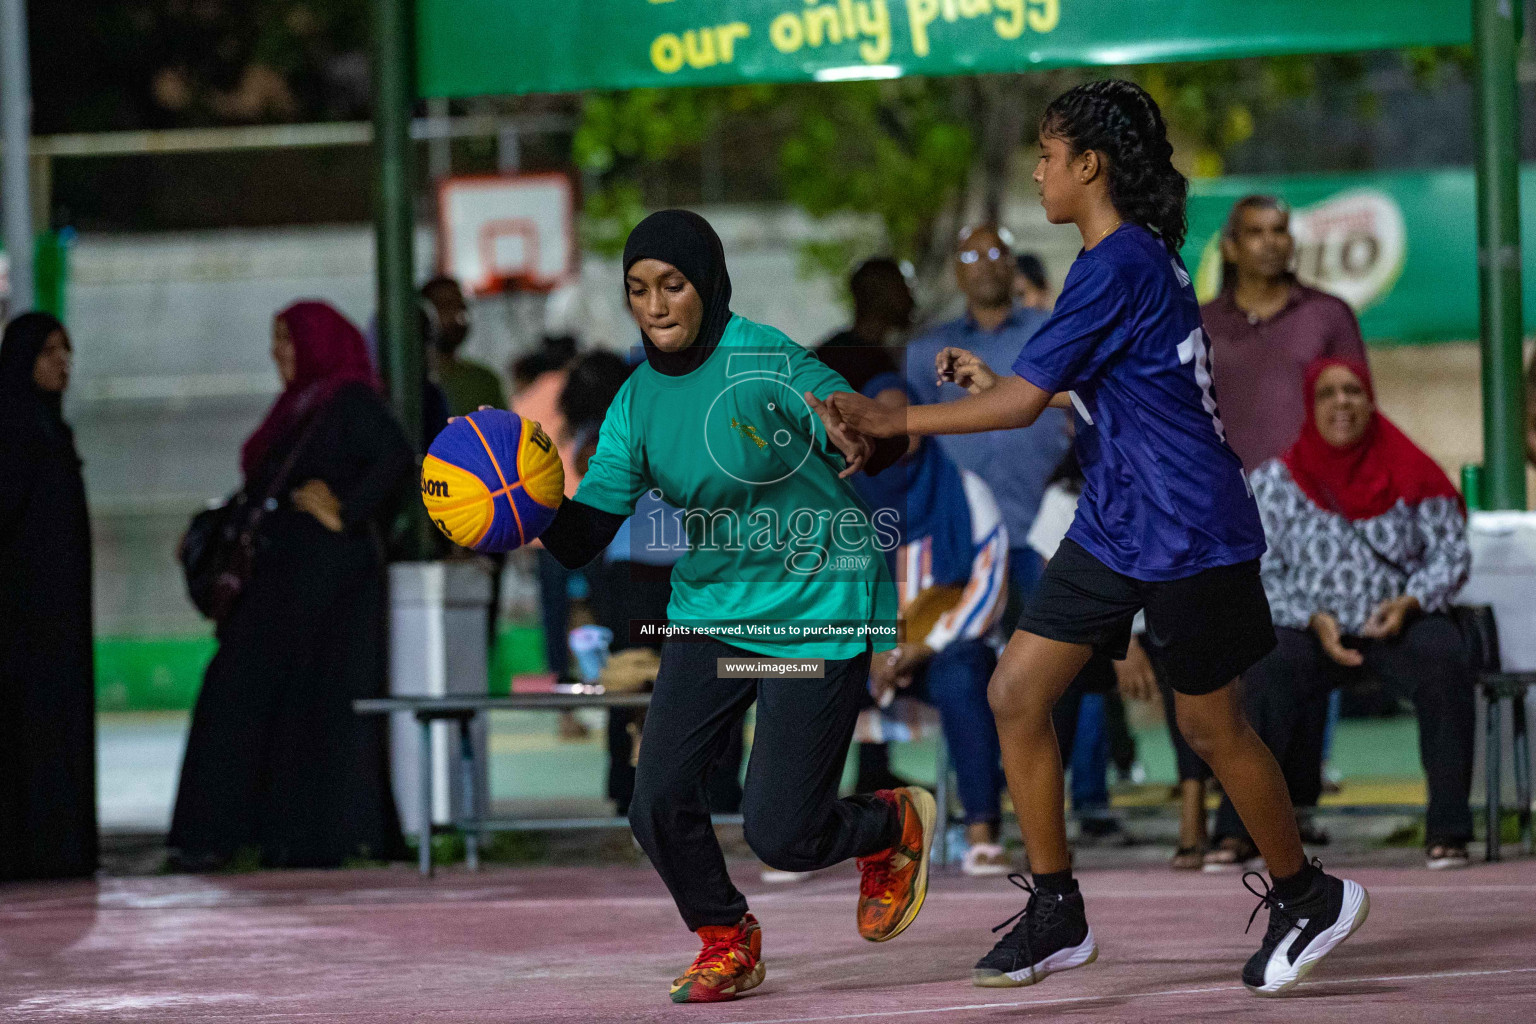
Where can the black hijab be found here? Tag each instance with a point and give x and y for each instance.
(686, 241)
(27, 411)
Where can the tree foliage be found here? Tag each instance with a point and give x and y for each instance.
(920, 154)
(904, 152)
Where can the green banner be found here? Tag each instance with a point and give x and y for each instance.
(147, 673)
(1400, 248)
(484, 47)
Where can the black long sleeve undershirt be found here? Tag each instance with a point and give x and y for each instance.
(579, 533)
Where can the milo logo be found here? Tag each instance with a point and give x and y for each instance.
(1352, 244)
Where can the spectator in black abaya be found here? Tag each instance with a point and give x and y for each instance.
(47, 687)
(277, 762)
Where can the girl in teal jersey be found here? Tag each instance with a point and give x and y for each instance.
(726, 419)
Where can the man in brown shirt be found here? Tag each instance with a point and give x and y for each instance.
(1265, 329)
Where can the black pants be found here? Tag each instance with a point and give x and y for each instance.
(793, 818)
(623, 592)
(1425, 662)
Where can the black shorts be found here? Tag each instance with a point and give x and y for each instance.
(1203, 631)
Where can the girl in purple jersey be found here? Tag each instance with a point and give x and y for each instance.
(1165, 524)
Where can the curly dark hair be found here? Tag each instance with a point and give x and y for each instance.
(1119, 120)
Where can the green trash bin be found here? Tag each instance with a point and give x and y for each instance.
(50, 270)
(50, 273)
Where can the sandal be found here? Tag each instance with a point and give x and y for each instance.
(1230, 854)
(1188, 858)
(1446, 856)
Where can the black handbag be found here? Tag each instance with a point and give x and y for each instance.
(218, 551)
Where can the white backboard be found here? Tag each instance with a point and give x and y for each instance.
(507, 230)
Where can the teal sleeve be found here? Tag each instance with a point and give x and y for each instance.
(614, 481)
(807, 373)
(813, 375)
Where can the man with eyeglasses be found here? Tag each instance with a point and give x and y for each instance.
(1016, 464)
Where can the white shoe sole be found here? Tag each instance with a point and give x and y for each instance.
(985, 860)
(1080, 955)
(984, 870)
(1356, 908)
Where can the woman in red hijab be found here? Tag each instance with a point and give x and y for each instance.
(277, 766)
(1367, 550)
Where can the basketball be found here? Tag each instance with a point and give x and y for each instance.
(492, 480)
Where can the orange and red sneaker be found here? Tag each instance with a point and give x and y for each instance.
(730, 963)
(894, 882)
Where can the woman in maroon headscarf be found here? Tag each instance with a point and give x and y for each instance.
(277, 764)
(1367, 550)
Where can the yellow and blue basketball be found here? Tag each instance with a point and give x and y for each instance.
(492, 480)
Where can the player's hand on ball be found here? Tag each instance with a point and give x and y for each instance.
(855, 446)
(491, 480)
(483, 408)
(867, 416)
(966, 368)
(316, 498)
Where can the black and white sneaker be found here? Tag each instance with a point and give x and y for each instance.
(1050, 934)
(1303, 931)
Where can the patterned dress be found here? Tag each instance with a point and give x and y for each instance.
(1319, 561)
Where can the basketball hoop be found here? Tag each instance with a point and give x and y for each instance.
(505, 231)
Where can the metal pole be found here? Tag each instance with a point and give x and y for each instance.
(440, 148)
(470, 825)
(1496, 36)
(509, 149)
(424, 797)
(16, 130)
(400, 355)
(1493, 772)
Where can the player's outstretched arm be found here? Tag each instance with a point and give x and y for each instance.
(1010, 403)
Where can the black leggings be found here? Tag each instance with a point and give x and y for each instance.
(1426, 662)
(624, 593)
(793, 818)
